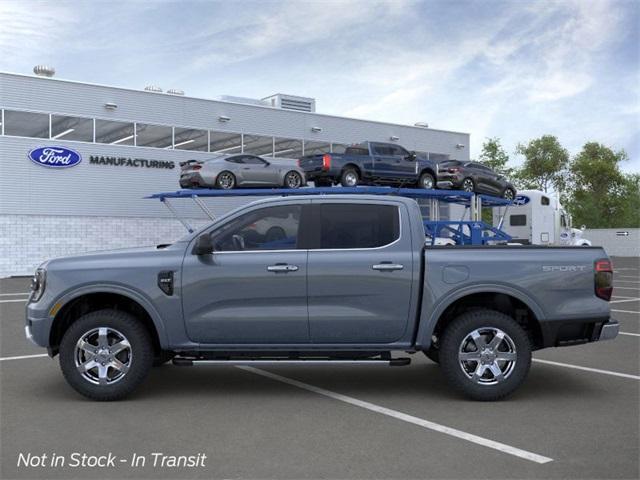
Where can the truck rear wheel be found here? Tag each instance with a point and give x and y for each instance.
(349, 177)
(485, 354)
(105, 355)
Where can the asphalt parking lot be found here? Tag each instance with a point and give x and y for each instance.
(577, 415)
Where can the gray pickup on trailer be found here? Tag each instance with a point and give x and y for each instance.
(341, 279)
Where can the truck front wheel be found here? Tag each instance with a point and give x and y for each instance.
(105, 355)
(485, 354)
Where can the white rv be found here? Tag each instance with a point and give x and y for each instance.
(536, 218)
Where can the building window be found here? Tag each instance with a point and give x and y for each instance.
(190, 139)
(157, 136)
(287, 148)
(258, 145)
(71, 128)
(26, 124)
(315, 148)
(114, 133)
(225, 142)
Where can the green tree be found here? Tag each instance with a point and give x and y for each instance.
(600, 195)
(545, 164)
(494, 156)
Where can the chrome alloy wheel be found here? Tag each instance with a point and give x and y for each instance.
(467, 185)
(351, 179)
(427, 182)
(103, 356)
(293, 180)
(487, 356)
(226, 181)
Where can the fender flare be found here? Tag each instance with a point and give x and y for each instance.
(429, 320)
(131, 294)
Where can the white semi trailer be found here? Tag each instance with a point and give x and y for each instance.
(537, 218)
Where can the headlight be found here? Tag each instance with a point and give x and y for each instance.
(38, 284)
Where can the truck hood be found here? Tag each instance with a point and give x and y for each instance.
(121, 256)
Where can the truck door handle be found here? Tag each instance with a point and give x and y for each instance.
(387, 266)
(282, 268)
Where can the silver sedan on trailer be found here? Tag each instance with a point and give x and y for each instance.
(241, 170)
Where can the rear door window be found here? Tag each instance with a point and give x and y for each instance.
(346, 226)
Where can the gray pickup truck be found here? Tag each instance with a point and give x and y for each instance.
(342, 279)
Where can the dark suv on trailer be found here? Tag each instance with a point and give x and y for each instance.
(474, 177)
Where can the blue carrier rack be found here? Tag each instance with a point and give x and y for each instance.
(462, 232)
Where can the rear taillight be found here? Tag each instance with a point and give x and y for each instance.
(453, 170)
(326, 161)
(603, 279)
(299, 163)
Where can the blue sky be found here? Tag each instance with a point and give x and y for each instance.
(515, 70)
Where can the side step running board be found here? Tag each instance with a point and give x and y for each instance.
(188, 362)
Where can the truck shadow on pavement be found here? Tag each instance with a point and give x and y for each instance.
(424, 381)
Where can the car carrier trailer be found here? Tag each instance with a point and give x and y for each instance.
(460, 232)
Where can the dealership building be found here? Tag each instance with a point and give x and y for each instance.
(129, 144)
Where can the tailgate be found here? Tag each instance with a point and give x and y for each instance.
(311, 163)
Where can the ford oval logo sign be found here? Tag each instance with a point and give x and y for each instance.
(521, 200)
(55, 157)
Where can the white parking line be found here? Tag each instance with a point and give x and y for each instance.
(628, 299)
(625, 288)
(22, 357)
(485, 442)
(625, 311)
(13, 294)
(14, 300)
(587, 369)
(634, 277)
(626, 281)
(630, 334)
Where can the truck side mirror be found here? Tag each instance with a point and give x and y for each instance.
(204, 245)
(412, 156)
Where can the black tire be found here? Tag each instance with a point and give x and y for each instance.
(427, 181)
(226, 180)
(508, 194)
(322, 183)
(458, 372)
(349, 177)
(288, 180)
(139, 354)
(432, 354)
(163, 358)
(468, 185)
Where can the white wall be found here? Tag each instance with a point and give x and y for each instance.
(614, 241)
(28, 240)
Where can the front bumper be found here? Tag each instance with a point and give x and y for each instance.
(38, 323)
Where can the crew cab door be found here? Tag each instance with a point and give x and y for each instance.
(253, 288)
(359, 272)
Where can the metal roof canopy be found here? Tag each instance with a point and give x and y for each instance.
(468, 199)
